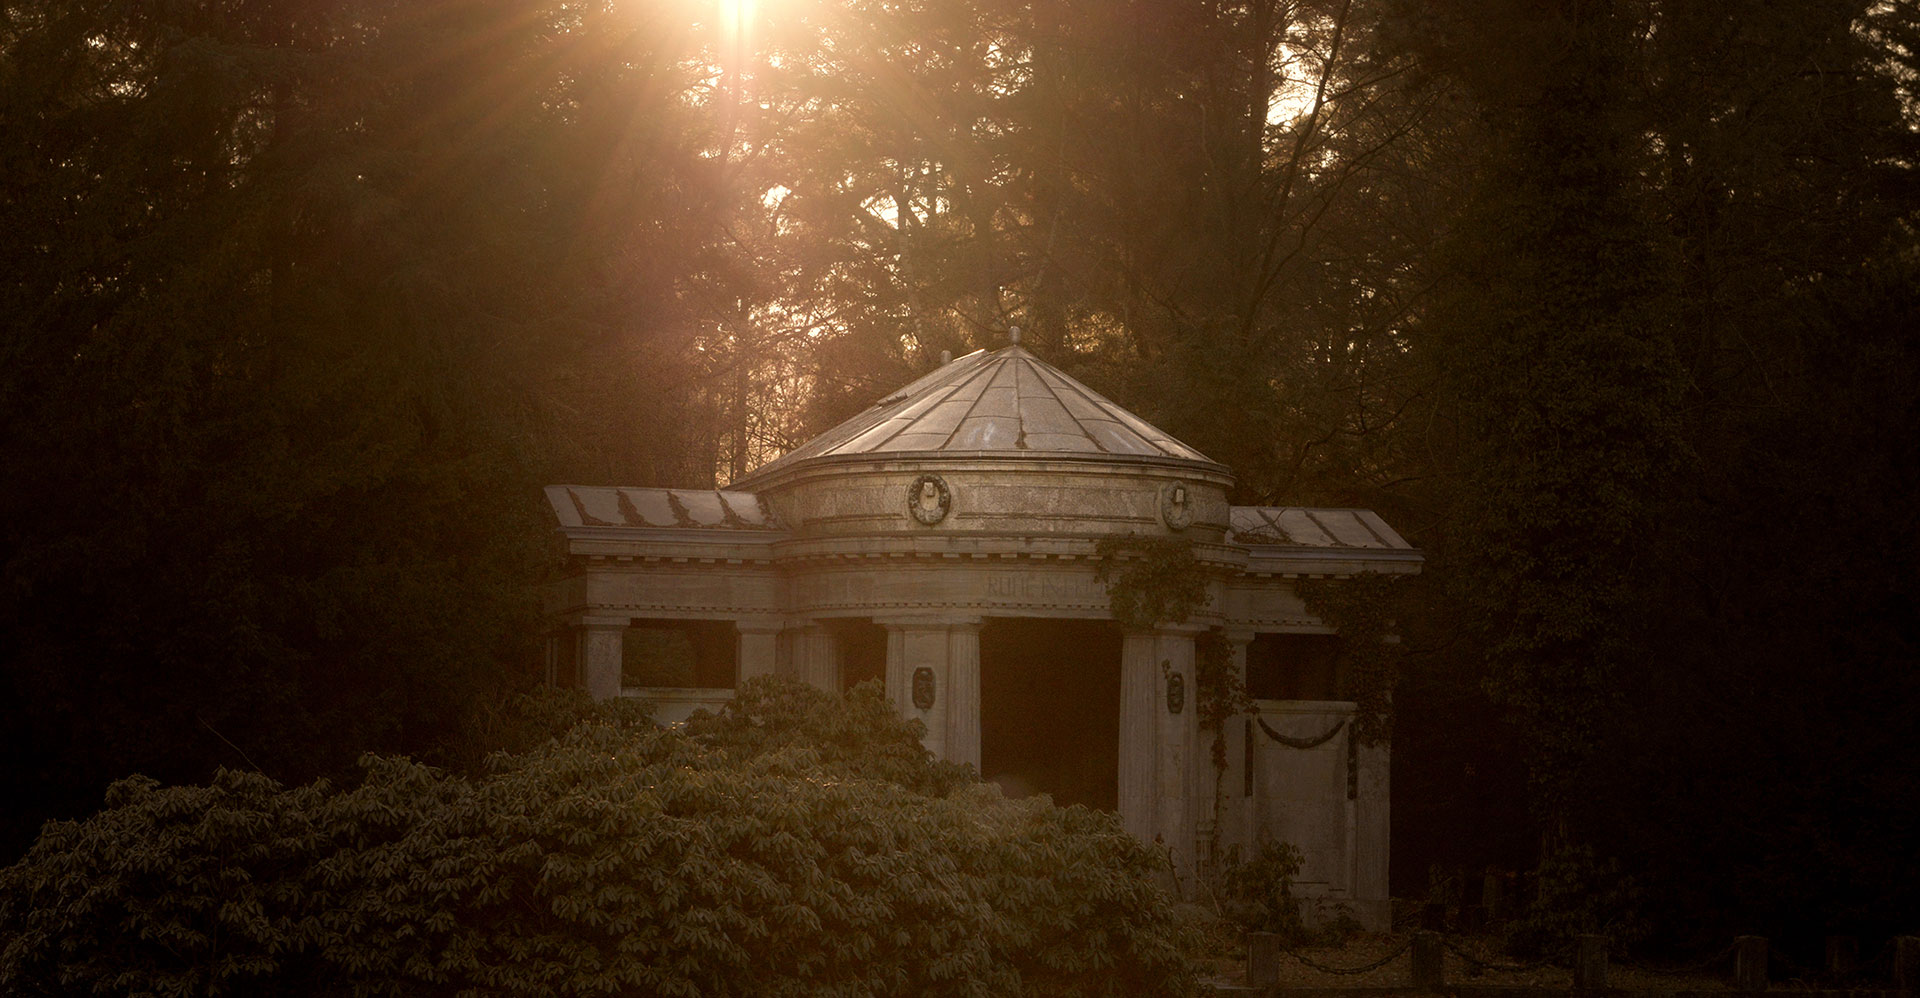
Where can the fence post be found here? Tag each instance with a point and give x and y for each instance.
(1590, 968)
(1263, 959)
(1843, 955)
(1906, 963)
(1750, 963)
(1428, 973)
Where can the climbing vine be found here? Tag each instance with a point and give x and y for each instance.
(1222, 694)
(1362, 609)
(1150, 580)
(1156, 580)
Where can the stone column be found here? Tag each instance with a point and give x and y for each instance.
(899, 673)
(1139, 674)
(601, 646)
(963, 692)
(757, 649)
(1158, 730)
(1179, 736)
(948, 648)
(816, 658)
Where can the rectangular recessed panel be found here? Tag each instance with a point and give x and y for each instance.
(1301, 529)
(1074, 442)
(703, 507)
(986, 433)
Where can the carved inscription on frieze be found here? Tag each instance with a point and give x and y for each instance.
(1044, 587)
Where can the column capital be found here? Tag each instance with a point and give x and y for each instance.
(1186, 630)
(1239, 635)
(596, 622)
(759, 625)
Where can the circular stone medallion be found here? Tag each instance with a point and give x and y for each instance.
(1176, 505)
(928, 499)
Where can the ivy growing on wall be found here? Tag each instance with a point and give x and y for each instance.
(1150, 580)
(1362, 609)
(1222, 691)
(1153, 581)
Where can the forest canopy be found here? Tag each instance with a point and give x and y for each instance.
(1607, 305)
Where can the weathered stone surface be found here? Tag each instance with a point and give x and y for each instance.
(982, 491)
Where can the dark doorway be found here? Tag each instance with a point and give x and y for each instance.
(1050, 709)
(863, 650)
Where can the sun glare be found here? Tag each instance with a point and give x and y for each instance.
(736, 24)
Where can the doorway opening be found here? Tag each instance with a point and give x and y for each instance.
(1050, 709)
(862, 648)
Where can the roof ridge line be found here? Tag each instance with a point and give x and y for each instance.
(1064, 407)
(962, 421)
(903, 426)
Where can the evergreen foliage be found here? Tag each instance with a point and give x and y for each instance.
(1606, 304)
(611, 858)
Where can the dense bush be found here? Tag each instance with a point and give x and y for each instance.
(612, 859)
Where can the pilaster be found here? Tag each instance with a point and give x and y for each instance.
(1158, 730)
(1179, 734)
(1139, 673)
(601, 647)
(757, 649)
(816, 657)
(933, 673)
(963, 692)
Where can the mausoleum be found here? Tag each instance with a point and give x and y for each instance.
(944, 542)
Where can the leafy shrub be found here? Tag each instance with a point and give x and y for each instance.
(1577, 892)
(612, 859)
(859, 734)
(1258, 892)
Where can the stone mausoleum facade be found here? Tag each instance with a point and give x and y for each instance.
(943, 542)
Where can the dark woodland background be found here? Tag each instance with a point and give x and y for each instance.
(1609, 306)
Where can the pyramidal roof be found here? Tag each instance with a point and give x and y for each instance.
(1006, 402)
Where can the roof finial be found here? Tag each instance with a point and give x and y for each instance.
(1013, 335)
(946, 357)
